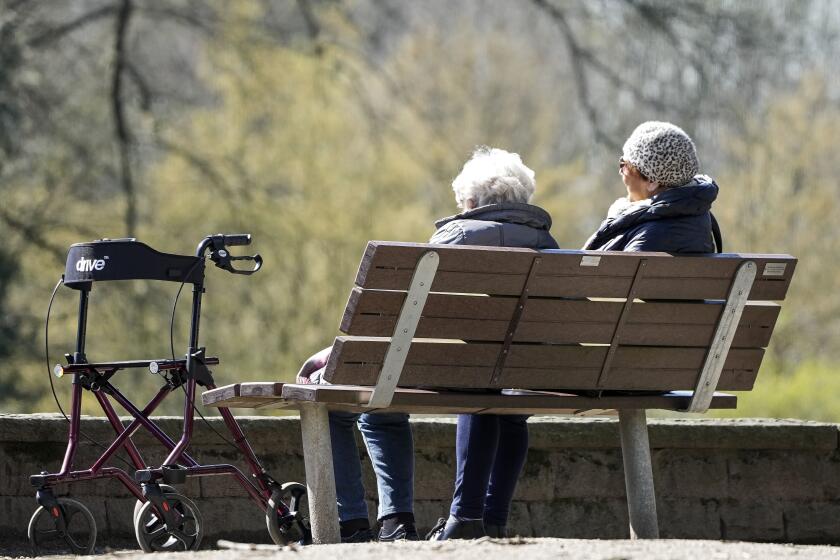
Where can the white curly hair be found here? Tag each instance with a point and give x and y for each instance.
(492, 176)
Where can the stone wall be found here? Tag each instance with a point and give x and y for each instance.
(715, 479)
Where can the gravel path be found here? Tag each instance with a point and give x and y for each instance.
(510, 549)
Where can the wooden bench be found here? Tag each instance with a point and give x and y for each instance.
(569, 332)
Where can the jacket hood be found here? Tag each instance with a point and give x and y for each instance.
(504, 212)
(692, 199)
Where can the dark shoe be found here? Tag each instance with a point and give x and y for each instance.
(403, 532)
(496, 531)
(467, 529)
(436, 531)
(362, 535)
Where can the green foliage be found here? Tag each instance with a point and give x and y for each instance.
(808, 391)
(310, 190)
(778, 194)
(318, 138)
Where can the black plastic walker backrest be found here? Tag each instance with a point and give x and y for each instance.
(127, 259)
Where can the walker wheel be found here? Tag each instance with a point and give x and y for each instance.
(153, 535)
(292, 525)
(78, 538)
(138, 504)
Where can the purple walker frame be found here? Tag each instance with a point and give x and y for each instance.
(95, 377)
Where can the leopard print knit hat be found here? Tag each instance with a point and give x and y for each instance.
(663, 153)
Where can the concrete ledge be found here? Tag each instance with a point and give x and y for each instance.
(747, 433)
(757, 480)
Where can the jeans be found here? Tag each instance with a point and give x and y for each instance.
(491, 451)
(390, 446)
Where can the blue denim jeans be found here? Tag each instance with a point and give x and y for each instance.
(390, 446)
(490, 451)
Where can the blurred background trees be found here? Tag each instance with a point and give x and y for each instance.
(319, 124)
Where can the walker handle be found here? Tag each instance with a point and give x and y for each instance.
(234, 239)
(220, 255)
(256, 259)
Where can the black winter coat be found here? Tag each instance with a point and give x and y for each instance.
(677, 220)
(508, 224)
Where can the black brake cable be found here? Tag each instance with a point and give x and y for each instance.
(172, 350)
(50, 375)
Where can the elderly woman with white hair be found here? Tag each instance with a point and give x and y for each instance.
(493, 190)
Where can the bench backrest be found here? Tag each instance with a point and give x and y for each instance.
(553, 320)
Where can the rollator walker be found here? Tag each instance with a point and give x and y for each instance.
(164, 520)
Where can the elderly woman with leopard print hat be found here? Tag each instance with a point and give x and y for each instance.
(668, 204)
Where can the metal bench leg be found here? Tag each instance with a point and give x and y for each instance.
(638, 474)
(320, 477)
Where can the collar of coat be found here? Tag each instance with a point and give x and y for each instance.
(505, 212)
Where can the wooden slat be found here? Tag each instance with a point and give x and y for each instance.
(560, 321)
(372, 350)
(244, 395)
(433, 402)
(619, 379)
(491, 270)
(559, 262)
(219, 394)
(357, 360)
(575, 286)
(261, 389)
(418, 401)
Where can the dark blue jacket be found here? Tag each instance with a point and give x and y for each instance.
(677, 220)
(508, 224)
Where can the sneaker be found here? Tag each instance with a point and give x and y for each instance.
(457, 529)
(496, 531)
(436, 531)
(362, 535)
(403, 532)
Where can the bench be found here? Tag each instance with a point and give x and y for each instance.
(545, 332)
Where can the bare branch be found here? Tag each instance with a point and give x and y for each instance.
(188, 19)
(146, 95)
(617, 81)
(201, 165)
(313, 28)
(577, 55)
(584, 61)
(658, 19)
(32, 233)
(56, 33)
(121, 132)
(16, 5)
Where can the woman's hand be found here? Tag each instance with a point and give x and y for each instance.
(315, 363)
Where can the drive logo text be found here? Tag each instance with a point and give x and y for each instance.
(89, 265)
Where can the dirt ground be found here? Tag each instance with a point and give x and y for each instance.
(509, 549)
